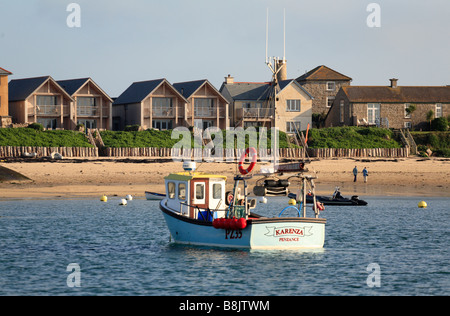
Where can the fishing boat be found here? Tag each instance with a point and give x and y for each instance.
(197, 213)
(153, 196)
(336, 199)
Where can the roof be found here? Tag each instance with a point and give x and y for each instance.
(186, 176)
(259, 91)
(4, 72)
(189, 88)
(400, 94)
(323, 73)
(138, 91)
(21, 89)
(73, 85)
(249, 90)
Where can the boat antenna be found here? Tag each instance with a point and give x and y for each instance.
(284, 35)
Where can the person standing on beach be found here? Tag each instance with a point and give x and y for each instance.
(365, 174)
(355, 173)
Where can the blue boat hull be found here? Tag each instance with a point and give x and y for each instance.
(260, 233)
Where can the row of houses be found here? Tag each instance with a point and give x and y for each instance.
(288, 104)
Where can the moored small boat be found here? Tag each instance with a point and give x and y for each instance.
(336, 199)
(152, 196)
(196, 214)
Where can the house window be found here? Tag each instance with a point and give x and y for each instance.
(407, 115)
(47, 105)
(331, 86)
(86, 106)
(293, 105)
(438, 110)
(42, 100)
(293, 127)
(408, 125)
(342, 111)
(47, 123)
(373, 112)
(330, 101)
(204, 107)
(203, 124)
(162, 125)
(88, 123)
(162, 106)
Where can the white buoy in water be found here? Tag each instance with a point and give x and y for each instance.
(129, 197)
(123, 202)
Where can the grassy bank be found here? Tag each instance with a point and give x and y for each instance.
(36, 138)
(437, 142)
(163, 139)
(352, 137)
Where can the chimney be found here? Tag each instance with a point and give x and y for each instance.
(229, 80)
(393, 83)
(282, 73)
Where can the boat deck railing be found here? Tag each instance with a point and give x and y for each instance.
(209, 212)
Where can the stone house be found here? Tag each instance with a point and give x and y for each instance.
(5, 119)
(206, 106)
(150, 104)
(323, 84)
(386, 106)
(286, 105)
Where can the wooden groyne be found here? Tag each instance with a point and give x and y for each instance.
(205, 154)
(69, 152)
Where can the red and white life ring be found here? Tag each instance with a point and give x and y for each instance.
(247, 152)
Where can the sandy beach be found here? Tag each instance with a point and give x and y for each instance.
(74, 179)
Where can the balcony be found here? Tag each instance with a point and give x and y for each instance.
(87, 111)
(203, 112)
(164, 112)
(45, 110)
(255, 114)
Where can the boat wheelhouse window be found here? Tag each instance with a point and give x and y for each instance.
(217, 191)
(199, 191)
(171, 190)
(182, 191)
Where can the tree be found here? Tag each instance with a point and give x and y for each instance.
(410, 109)
(440, 124)
(430, 117)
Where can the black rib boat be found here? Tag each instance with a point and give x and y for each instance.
(335, 199)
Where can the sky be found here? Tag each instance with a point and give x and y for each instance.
(121, 42)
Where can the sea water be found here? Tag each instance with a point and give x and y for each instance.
(86, 247)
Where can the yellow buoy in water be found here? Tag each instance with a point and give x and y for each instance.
(422, 204)
(292, 202)
(104, 199)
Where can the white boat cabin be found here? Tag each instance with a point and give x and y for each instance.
(196, 195)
